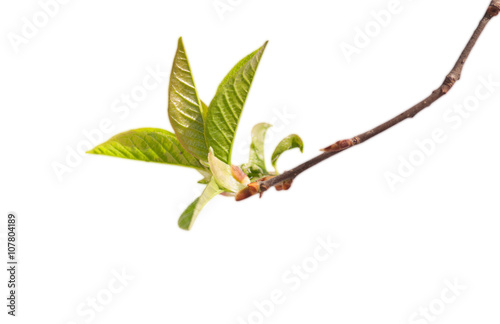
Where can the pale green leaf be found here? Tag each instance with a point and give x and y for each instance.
(225, 109)
(149, 145)
(288, 143)
(185, 109)
(189, 216)
(222, 174)
(257, 147)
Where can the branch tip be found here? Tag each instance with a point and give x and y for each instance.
(494, 9)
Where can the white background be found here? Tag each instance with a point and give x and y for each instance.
(398, 248)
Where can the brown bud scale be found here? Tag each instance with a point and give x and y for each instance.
(239, 175)
(342, 145)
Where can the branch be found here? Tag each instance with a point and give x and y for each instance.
(284, 180)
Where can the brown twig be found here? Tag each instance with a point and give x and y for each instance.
(450, 80)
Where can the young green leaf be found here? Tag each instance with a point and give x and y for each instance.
(149, 145)
(204, 181)
(207, 176)
(257, 147)
(188, 217)
(184, 221)
(288, 143)
(222, 174)
(185, 109)
(226, 107)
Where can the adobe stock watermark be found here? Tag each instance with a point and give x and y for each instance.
(364, 35)
(292, 278)
(453, 119)
(222, 7)
(89, 309)
(431, 312)
(121, 107)
(31, 26)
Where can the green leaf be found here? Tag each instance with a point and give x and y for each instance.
(222, 174)
(188, 217)
(236, 68)
(225, 109)
(204, 110)
(288, 143)
(257, 147)
(149, 145)
(185, 109)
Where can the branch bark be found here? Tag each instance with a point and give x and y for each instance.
(450, 80)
